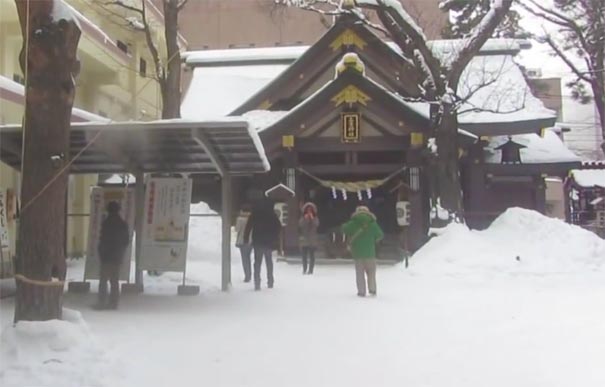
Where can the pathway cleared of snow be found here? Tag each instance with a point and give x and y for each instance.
(475, 327)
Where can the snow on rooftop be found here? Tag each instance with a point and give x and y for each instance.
(285, 54)
(497, 92)
(589, 178)
(262, 119)
(547, 149)
(217, 91)
(504, 98)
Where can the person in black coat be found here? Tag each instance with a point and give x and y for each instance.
(113, 242)
(265, 227)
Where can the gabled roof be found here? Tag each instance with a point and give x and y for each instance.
(506, 89)
(310, 109)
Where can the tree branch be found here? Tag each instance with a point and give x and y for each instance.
(181, 5)
(476, 40)
(121, 4)
(580, 74)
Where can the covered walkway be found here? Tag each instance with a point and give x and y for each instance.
(227, 147)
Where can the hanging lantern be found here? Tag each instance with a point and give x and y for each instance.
(359, 195)
(344, 194)
(369, 192)
(334, 192)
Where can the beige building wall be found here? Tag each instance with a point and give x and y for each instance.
(110, 84)
(215, 24)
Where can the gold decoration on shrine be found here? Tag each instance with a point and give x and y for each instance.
(351, 95)
(348, 38)
(351, 128)
(416, 139)
(265, 105)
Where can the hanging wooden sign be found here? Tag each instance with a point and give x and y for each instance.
(351, 130)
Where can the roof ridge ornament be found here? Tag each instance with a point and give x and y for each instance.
(350, 60)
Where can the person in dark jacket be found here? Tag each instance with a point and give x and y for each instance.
(113, 242)
(307, 231)
(265, 228)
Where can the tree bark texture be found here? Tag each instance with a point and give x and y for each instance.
(171, 84)
(48, 60)
(448, 170)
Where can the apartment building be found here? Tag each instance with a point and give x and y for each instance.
(116, 82)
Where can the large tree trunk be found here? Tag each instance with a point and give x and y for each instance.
(48, 60)
(171, 85)
(599, 96)
(449, 189)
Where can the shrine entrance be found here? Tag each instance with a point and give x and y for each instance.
(335, 208)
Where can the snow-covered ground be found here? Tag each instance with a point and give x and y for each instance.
(465, 313)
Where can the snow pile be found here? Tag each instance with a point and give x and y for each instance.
(519, 240)
(54, 353)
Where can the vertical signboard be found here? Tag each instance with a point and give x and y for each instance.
(99, 198)
(166, 224)
(6, 263)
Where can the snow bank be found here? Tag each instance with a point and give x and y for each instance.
(542, 245)
(54, 353)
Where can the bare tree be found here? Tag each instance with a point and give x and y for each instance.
(168, 72)
(48, 60)
(442, 76)
(581, 35)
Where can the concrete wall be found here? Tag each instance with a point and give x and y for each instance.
(214, 24)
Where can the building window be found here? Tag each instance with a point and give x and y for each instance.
(122, 46)
(142, 67)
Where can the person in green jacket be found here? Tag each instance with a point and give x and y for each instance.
(363, 232)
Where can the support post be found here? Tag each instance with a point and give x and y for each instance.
(226, 233)
(138, 224)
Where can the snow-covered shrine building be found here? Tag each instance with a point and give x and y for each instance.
(337, 129)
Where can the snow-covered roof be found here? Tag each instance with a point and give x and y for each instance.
(538, 150)
(244, 55)
(507, 97)
(589, 178)
(262, 119)
(222, 81)
(217, 91)
(7, 86)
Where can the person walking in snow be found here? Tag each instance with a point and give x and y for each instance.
(113, 242)
(307, 228)
(363, 232)
(244, 248)
(265, 228)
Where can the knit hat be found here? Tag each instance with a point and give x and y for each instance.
(364, 210)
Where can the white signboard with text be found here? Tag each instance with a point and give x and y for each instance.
(99, 198)
(166, 224)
